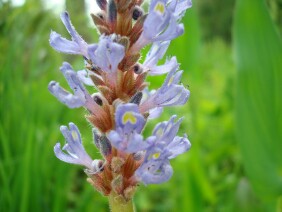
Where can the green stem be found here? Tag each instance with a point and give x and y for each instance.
(118, 204)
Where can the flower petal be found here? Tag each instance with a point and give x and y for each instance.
(129, 118)
(167, 67)
(63, 45)
(156, 53)
(70, 100)
(83, 75)
(178, 146)
(154, 172)
(75, 36)
(74, 147)
(107, 54)
(63, 156)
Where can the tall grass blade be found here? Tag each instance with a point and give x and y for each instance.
(258, 51)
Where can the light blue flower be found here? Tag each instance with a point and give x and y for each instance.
(167, 140)
(129, 118)
(170, 94)
(165, 68)
(84, 77)
(129, 124)
(75, 152)
(161, 23)
(107, 54)
(181, 7)
(75, 46)
(79, 98)
(157, 20)
(156, 53)
(155, 112)
(156, 167)
(154, 172)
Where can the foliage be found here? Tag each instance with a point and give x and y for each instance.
(216, 18)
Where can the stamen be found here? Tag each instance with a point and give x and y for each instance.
(97, 99)
(137, 13)
(137, 68)
(101, 15)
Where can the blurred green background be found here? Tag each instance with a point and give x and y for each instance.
(231, 55)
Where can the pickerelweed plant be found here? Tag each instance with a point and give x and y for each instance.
(123, 103)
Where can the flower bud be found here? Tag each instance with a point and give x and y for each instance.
(117, 184)
(136, 99)
(129, 192)
(112, 12)
(138, 155)
(105, 146)
(102, 143)
(96, 138)
(117, 163)
(102, 4)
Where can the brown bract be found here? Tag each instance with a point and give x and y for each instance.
(117, 175)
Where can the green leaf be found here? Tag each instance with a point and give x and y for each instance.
(258, 51)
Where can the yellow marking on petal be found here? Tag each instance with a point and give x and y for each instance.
(170, 81)
(156, 155)
(129, 117)
(74, 135)
(160, 132)
(168, 127)
(160, 8)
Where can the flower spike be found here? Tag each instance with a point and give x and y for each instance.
(120, 102)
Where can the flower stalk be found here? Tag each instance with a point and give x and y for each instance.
(122, 103)
(118, 204)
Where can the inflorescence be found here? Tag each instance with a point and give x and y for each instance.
(123, 103)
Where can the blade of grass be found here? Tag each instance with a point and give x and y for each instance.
(258, 52)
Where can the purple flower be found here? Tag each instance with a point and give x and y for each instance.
(161, 23)
(75, 46)
(155, 112)
(156, 53)
(76, 153)
(83, 75)
(154, 172)
(129, 118)
(107, 54)
(129, 124)
(80, 97)
(169, 94)
(181, 7)
(156, 168)
(165, 68)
